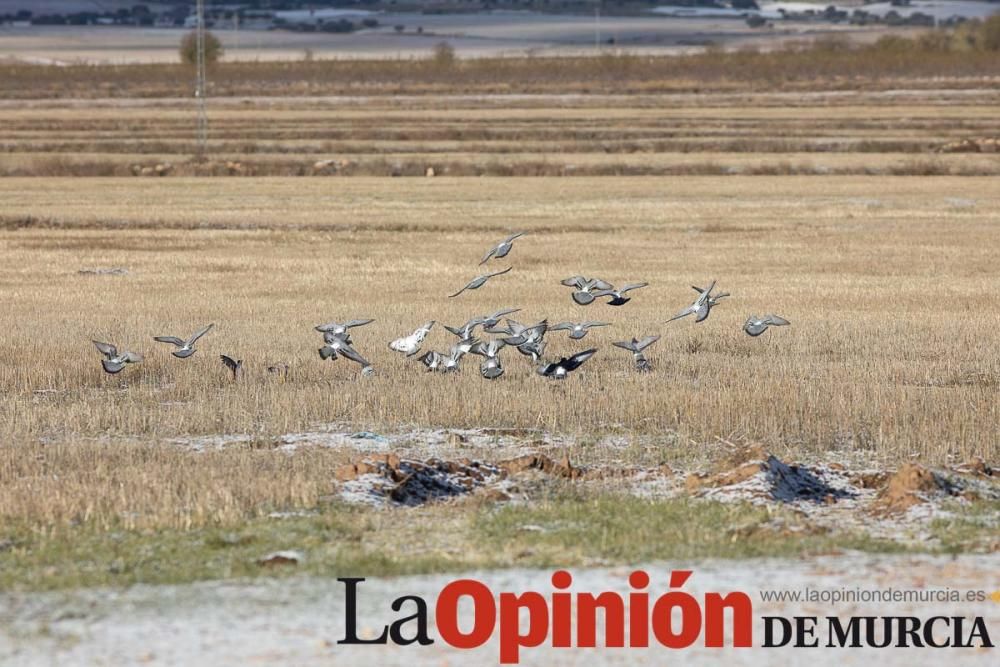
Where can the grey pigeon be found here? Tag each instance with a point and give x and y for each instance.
(113, 361)
(342, 329)
(583, 294)
(234, 365)
(755, 326)
(713, 299)
(700, 308)
(577, 330)
(618, 297)
(467, 329)
(185, 348)
(491, 320)
(560, 369)
(636, 347)
(432, 360)
(490, 368)
(532, 348)
(519, 334)
(410, 345)
(479, 281)
(337, 344)
(500, 250)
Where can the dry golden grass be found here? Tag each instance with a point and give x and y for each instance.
(890, 284)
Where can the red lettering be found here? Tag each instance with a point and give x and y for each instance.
(562, 610)
(484, 615)
(715, 619)
(614, 619)
(511, 639)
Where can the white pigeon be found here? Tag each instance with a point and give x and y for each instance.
(410, 345)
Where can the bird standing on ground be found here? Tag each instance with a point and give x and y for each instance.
(755, 326)
(479, 281)
(636, 347)
(234, 365)
(185, 348)
(279, 368)
(410, 345)
(560, 369)
(577, 330)
(500, 250)
(113, 362)
(618, 297)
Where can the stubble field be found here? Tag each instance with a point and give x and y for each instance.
(835, 210)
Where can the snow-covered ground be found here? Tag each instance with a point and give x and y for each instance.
(297, 621)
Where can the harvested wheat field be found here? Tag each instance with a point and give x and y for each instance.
(889, 285)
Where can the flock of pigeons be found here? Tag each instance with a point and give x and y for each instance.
(503, 332)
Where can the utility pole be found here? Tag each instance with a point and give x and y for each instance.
(597, 25)
(200, 85)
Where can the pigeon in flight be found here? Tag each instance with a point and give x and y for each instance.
(517, 333)
(185, 348)
(583, 294)
(700, 308)
(560, 369)
(532, 348)
(755, 326)
(490, 368)
(636, 347)
(432, 360)
(479, 281)
(410, 345)
(618, 297)
(113, 361)
(577, 330)
(234, 365)
(342, 329)
(500, 250)
(713, 299)
(458, 350)
(490, 321)
(336, 344)
(467, 329)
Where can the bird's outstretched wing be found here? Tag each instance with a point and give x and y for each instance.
(499, 273)
(107, 349)
(577, 359)
(230, 363)
(487, 256)
(191, 341)
(357, 323)
(646, 342)
(775, 321)
(173, 340)
(353, 355)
